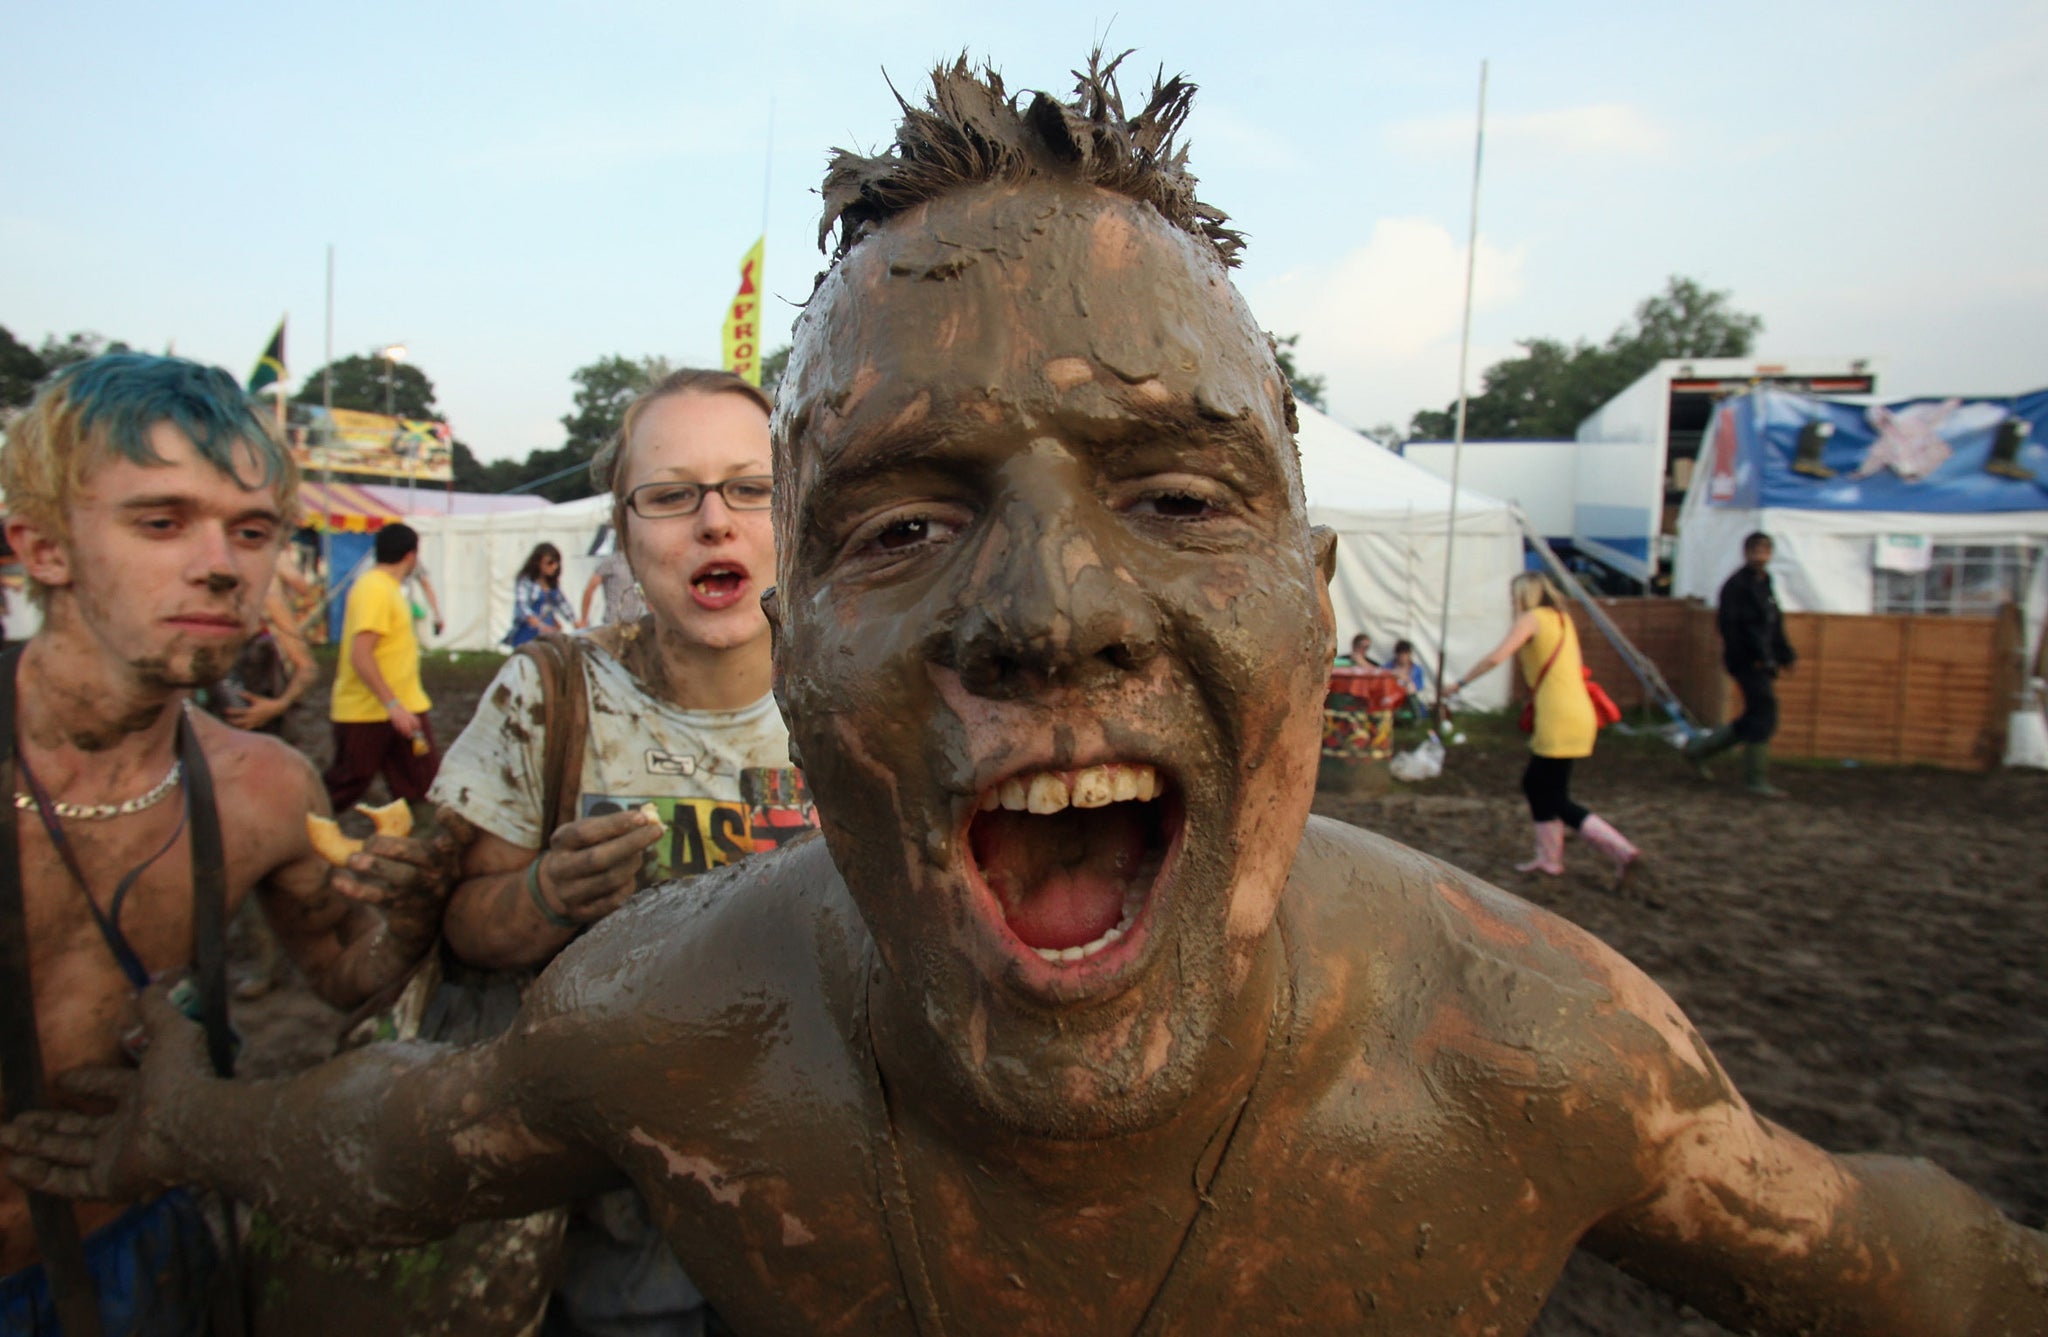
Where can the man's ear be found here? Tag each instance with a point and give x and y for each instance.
(1325, 540)
(45, 558)
(771, 608)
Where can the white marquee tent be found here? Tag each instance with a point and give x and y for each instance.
(1391, 517)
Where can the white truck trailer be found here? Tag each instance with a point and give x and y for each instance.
(1634, 456)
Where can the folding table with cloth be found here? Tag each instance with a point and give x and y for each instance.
(1358, 715)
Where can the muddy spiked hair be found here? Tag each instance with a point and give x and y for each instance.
(972, 132)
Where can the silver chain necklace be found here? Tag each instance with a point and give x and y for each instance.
(93, 812)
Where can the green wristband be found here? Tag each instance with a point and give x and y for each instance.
(540, 902)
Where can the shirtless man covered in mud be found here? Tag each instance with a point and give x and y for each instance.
(148, 507)
(1074, 1021)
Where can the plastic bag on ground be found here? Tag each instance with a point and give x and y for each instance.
(1425, 761)
(2026, 733)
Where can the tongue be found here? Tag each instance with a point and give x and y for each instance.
(1060, 878)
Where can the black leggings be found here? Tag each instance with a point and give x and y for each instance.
(1548, 786)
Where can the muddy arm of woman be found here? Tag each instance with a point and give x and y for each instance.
(514, 909)
(393, 1143)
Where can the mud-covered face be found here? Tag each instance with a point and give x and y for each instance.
(1054, 641)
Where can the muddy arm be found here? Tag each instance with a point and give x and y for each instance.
(389, 1144)
(1801, 1242)
(1768, 1233)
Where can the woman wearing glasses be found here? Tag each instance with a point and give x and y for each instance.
(675, 712)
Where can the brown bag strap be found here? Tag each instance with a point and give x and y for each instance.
(565, 724)
(21, 1053)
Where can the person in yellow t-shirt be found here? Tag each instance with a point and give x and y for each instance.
(1546, 647)
(379, 709)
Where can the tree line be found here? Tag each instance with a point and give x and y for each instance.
(370, 384)
(23, 368)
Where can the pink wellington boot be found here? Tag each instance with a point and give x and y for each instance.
(1549, 858)
(1601, 835)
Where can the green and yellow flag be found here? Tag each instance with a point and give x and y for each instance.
(270, 367)
(743, 319)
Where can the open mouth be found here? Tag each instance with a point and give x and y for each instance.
(1072, 858)
(718, 584)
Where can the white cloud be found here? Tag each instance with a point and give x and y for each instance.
(1382, 322)
(1598, 130)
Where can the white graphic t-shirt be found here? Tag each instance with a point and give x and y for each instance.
(721, 779)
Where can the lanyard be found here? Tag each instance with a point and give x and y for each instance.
(108, 921)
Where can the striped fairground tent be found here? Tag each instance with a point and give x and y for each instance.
(342, 508)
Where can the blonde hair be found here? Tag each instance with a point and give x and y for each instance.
(1532, 590)
(608, 466)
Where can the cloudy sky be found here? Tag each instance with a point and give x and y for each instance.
(514, 190)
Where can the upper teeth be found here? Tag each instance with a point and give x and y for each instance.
(1091, 787)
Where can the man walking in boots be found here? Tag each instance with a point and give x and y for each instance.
(1754, 650)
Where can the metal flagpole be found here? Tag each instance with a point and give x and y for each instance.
(1443, 633)
(327, 371)
(327, 474)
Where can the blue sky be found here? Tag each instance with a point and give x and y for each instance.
(515, 190)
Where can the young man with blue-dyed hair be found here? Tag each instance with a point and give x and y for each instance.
(147, 505)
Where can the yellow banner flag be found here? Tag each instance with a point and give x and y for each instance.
(743, 319)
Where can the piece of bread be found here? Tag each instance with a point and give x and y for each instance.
(393, 819)
(328, 842)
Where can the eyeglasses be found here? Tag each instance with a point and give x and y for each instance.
(664, 501)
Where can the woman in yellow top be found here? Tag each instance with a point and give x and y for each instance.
(1546, 646)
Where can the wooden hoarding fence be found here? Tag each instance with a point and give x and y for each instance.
(1897, 690)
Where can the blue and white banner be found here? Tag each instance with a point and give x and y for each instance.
(1774, 448)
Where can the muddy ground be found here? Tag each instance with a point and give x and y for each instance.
(1866, 957)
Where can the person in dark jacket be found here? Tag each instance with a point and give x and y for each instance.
(1754, 651)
